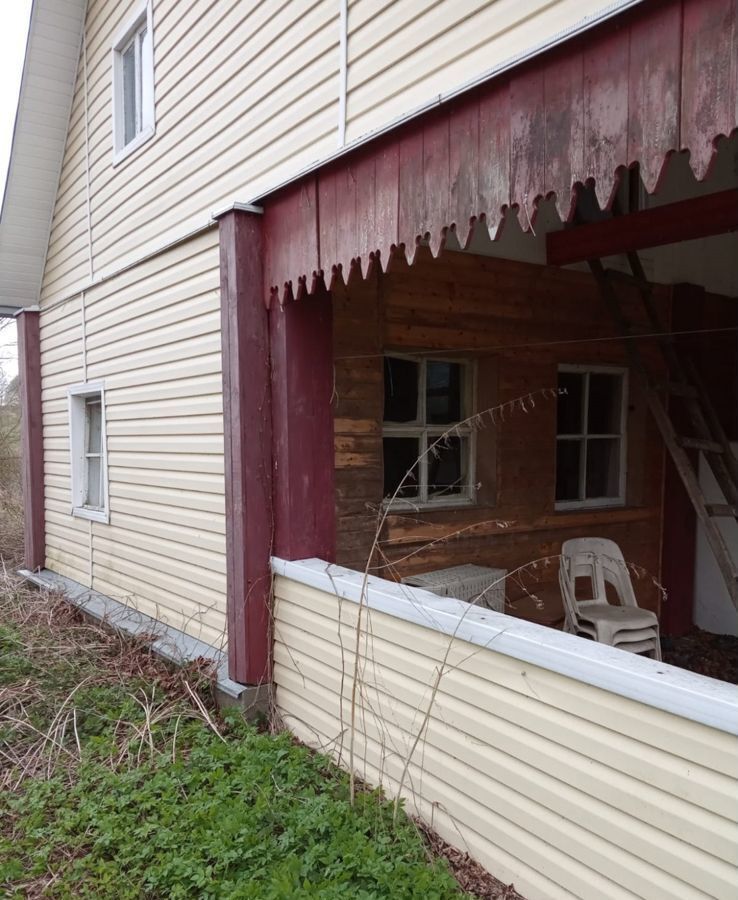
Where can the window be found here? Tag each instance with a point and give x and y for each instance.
(133, 85)
(88, 452)
(590, 437)
(423, 399)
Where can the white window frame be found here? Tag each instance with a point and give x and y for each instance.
(142, 15)
(427, 433)
(591, 502)
(77, 396)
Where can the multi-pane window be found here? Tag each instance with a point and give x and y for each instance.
(425, 399)
(87, 450)
(133, 89)
(590, 437)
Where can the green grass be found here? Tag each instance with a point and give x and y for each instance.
(137, 796)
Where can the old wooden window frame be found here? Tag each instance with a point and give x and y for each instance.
(130, 35)
(585, 436)
(80, 398)
(427, 433)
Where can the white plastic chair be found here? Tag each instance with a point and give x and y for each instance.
(625, 625)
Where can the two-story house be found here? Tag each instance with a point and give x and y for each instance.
(263, 255)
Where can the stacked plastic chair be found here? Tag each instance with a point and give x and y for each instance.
(624, 625)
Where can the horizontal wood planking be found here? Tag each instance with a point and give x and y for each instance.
(577, 792)
(152, 337)
(483, 306)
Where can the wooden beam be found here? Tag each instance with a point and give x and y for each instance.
(248, 447)
(672, 223)
(301, 333)
(32, 448)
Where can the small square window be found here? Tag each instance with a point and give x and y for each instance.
(133, 84)
(89, 477)
(425, 399)
(590, 438)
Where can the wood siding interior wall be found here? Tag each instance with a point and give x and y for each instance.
(519, 321)
(564, 789)
(153, 335)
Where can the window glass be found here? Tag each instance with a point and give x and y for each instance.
(603, 467)
(568, 456)
(447, 474)
(570, 403)
(93, 496)
(400, 390)
(590, 467)
(603, 413)
(444, 391)
(423, 400)
(94, 422)
(130, 93)
(400, 458)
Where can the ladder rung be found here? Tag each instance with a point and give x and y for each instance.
(680, 390)
(722, 509)
(691, 443)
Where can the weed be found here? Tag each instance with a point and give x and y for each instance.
(116, 781)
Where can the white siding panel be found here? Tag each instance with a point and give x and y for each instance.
(152, 335)
(561, 787)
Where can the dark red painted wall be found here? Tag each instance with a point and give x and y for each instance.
(658, 78)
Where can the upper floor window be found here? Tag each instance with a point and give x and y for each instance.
(590, 436)
(133, 84)
(425, 399)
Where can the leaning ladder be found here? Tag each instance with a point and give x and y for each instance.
(685, 384)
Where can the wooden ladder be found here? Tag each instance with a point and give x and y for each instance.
(685, 384)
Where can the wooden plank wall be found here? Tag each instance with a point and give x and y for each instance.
(519, 321)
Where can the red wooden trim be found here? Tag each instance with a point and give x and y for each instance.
(248, 447)
(669, 224)
(32, 448)
(302, 392)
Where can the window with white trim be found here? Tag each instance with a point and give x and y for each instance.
(133, 84)
(590, 436)
(425, 399)
(88, 451)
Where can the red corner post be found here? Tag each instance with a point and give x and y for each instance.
(32, 448)
(301, 334)
(248, 446)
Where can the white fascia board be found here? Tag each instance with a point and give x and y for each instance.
(657, 684)
(39, 136)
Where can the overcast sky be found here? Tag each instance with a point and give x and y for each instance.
(16, 14)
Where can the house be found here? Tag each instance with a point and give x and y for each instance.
(263, 256)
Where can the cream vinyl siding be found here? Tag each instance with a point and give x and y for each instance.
(402, 55)
(563, 788)
(153, 337)
(247, 96)
(68, 255)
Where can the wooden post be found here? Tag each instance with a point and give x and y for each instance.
(301, 333)
(248, 446)
(32, 448)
